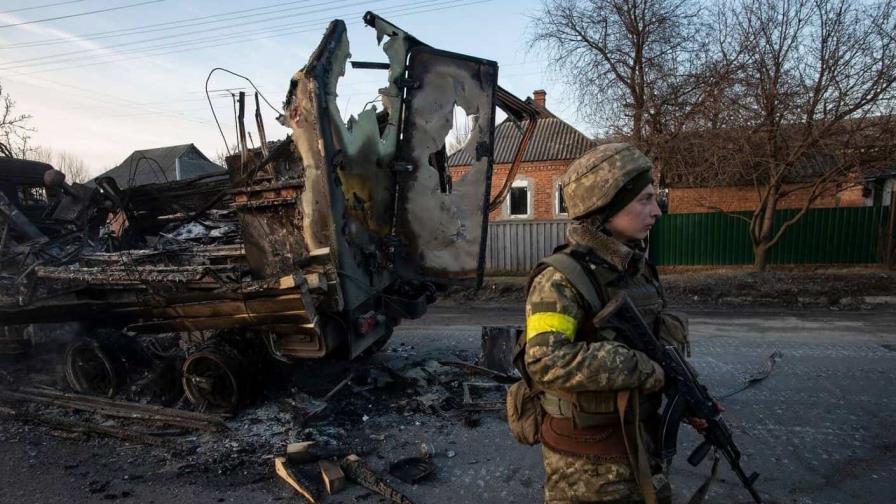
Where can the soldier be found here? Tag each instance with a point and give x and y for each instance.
(586, 377)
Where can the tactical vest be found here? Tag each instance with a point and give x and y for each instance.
(589, 409)
(598, 425)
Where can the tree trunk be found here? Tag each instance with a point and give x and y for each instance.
(760, 257)
(766, 232)
(637, 126)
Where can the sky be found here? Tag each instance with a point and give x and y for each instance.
(130, 74)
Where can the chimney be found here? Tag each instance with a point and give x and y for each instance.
(538, 96)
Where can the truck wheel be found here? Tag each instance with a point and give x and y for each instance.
(90, 370)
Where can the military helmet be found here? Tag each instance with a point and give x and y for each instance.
(592, 180)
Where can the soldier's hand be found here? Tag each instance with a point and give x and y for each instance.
(655, 382)
(697, 423)
(700, 424)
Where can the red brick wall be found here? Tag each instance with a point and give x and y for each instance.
(542, 177)
(732, 199)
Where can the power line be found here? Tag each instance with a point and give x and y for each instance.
(165, 37)
(128, 6)
(23, 9)
(69, 87)
(217, 41)
(139, 30)
(126, 103)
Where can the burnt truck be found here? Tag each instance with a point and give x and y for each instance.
(336, 234)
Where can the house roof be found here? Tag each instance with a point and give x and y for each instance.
(149, 166)
(553, 139)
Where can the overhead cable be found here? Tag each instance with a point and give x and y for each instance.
(23, 9)
(165, 37)
(240, 38)
(146, 28)
(34, 21)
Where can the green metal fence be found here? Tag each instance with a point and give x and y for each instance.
(822, 236)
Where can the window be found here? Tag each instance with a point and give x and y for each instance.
(518, 201)
(31, 195)
(560, 208)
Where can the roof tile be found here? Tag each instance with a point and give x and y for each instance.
(553, 139)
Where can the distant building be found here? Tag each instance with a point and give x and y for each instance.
(535, 194)
(701, 178)
(879, 188)
(162, 164)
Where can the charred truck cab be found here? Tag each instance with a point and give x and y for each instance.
(346, 228)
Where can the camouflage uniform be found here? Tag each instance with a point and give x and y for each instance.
(567, 354)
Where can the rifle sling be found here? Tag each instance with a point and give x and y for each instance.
(581, 280)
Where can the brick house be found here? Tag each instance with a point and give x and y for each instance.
(701, 178)
(535, 193)
(737, 198)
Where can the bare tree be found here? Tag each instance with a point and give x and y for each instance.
(14, 129)
(637, 66)
(220, 157)
(811, 101)
(71, 165)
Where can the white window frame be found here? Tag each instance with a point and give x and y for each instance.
(557, 192)
(528, 185)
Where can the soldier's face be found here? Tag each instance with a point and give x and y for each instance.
(635, 220)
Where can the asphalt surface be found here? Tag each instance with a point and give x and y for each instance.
(819, 430)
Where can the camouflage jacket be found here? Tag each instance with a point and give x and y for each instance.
(564, 351)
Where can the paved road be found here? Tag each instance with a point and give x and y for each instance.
(819, 430)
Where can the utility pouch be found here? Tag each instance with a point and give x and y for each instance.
(524, 413)
(672, 329)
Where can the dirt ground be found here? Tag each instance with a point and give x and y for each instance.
(840, 288)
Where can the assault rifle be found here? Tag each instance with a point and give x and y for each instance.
(685, 396)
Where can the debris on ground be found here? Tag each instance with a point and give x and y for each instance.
(358, 472)
(332, 476)
(412, 469)
(307, 490)
(495, 392)
(115, 408)
(66, 424)
(498, 343)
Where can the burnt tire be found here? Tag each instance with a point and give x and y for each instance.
(217, 376)
(90, 369)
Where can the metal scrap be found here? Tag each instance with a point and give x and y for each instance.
(760, 375)
(497, 375)
(470, 405)
(316, 406)
(412, 469)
